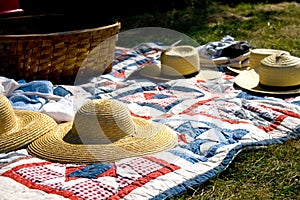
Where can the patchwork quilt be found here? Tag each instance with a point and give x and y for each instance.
(213, 119)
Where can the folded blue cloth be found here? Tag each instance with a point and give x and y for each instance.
(61, 91)
(21, 101)
(27, 102)
(41, 86)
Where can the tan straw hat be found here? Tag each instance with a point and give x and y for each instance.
(257, 55)
(255, 58)
(176, 62)
(280, 70)
(20, 127)
(278, 74)
(103, 130)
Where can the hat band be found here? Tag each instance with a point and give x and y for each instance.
(279, 76)
(190, 75)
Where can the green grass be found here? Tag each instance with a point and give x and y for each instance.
(263, 25)
(269, 173)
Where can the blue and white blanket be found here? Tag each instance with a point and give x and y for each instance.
(213, 119)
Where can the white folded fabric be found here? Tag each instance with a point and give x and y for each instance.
(61, 111)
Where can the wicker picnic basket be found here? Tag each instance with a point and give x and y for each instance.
(32, 49)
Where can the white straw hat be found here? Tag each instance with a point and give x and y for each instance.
(103, 130)
(257, 55)
(278, 74)
(20, 127)
(176, 62)
(280, 70)
(255, 58)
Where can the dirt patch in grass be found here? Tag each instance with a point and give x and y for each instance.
(278, 7)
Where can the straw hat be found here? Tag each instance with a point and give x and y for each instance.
(20, 127)
(280, 70)
(257, 55)
(278, 74)
(176, 62)
(103, 130)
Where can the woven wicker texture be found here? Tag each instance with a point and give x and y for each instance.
(55, 53)
(103, 131)
(20, 127)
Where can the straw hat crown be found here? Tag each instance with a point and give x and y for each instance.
(257, 55)
(175, 62)
(8, 120)
(280, 70)
(180, 60)
(281, 60)
(20, 127)
(102, 122)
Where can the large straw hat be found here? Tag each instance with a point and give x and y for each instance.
(20, 127)
(278, 74)
(176, 62)
(103, 130)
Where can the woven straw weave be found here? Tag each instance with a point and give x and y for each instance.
(103, 130)
(56, 56)
(256, 55)
(280, 70)
(180, 60)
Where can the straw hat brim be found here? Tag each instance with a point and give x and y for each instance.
(249, 80)
(53, 147)
(153, 72)
(208, 73)
(31, 126)
(238, 70)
